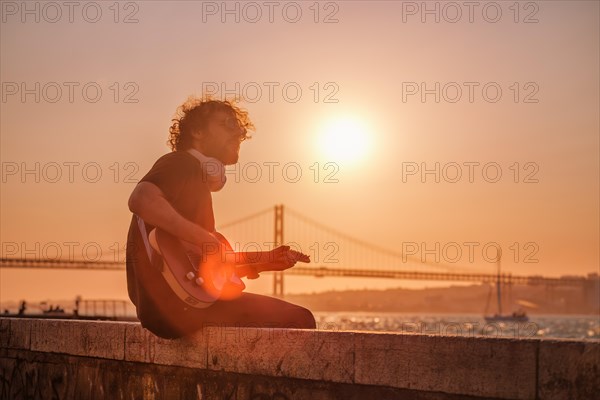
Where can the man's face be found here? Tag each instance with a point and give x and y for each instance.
(223, 137)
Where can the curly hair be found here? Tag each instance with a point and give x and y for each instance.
(194, 114)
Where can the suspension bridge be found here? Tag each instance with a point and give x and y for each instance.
(333, 254)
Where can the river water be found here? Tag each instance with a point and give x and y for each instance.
(542, 326)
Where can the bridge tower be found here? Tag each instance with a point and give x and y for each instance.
(278, 240)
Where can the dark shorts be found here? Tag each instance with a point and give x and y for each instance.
(249, 310)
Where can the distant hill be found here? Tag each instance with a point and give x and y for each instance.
(453, 299)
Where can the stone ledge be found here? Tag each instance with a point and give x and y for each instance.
(25, 374)
(473, 366)
(569, 370)
(80, 338)
(293, 353)
(143, 346)
(479, 367)
(15, 333)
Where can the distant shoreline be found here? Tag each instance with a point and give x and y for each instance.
(474, 299)
(449, 300)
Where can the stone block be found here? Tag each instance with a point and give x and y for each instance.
(82, 338)
(569, 369)
(294, 353)
(143, 346)
(497, 368)
(15, 333)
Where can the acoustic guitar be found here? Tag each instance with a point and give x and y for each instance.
(199, 276)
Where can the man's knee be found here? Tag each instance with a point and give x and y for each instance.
(304, 319)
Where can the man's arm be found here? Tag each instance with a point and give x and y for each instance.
(250, 264)
(149, 203)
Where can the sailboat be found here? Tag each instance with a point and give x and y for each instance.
(515, 316)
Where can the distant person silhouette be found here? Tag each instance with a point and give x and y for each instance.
(175, 196)
(22, 307)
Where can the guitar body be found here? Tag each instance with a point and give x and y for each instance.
(197, 276)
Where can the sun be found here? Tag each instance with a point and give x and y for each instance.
(344, 140)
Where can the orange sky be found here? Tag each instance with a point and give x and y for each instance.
(369, 58)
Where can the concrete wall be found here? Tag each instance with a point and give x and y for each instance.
(66, 359)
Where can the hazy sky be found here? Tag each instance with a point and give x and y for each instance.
(476, 90)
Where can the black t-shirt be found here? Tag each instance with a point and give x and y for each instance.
(179, 176)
